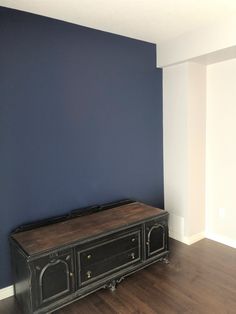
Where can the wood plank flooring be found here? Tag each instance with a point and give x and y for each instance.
(200, 278)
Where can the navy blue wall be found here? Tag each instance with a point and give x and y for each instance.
(80, 121)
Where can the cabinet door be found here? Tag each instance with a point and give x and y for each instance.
(156, 233)
(53, 278)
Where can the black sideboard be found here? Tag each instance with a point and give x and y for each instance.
(59, 263)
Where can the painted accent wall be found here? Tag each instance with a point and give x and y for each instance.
(80, 121)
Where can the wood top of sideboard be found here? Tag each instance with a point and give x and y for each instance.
(49, 237)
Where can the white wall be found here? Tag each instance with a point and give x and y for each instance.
(221, 152)
(195, 215)
(175, 137)
(175, 149)
(200, 161)
(184, 149)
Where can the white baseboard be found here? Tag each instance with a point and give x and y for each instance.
(176, 231)
(194, 238)
(221, 239)
(6, 292)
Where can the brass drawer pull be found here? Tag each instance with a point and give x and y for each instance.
(89, 256)
(133, 240)
(71, 274)
(89, 274)
(133, 255)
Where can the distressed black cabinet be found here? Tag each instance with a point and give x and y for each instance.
(59, 263)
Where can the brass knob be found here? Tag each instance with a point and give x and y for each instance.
(89, 274)
(133, 240)
(132, 255)
(89, 256)
(71, 274)
(147, 243)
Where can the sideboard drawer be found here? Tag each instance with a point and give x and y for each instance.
(109, 247)
(109, 265)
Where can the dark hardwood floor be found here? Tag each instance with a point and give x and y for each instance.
(200, 278)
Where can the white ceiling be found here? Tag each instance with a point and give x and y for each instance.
(150, 20)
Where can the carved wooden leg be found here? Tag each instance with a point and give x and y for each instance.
(113, 285)
(165, 259)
